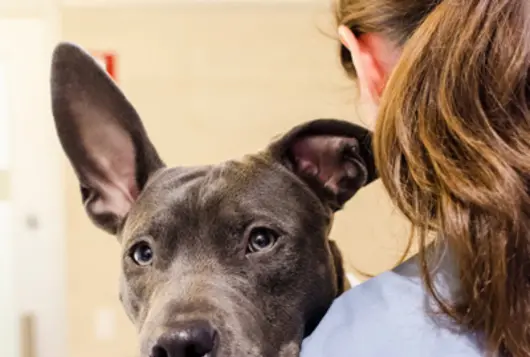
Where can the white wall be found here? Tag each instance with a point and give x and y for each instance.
(28, 30)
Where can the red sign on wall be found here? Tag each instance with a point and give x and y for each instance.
(107, 60)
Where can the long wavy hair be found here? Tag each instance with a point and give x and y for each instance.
(452, 145)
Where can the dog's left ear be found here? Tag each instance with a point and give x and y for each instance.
(333, 156)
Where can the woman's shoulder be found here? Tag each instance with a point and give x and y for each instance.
(386, 316)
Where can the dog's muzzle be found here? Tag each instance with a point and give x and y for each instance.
(188, 339)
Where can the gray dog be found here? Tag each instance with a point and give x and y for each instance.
(227, 260)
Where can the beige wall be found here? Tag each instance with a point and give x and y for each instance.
(212, 83)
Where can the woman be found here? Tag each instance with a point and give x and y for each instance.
(451, 79)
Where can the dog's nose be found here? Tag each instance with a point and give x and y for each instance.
(189, 339)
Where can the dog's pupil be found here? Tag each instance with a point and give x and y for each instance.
(143, 254)
(261, 240)
(146, 253)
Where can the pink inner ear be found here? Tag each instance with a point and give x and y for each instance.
(321, 156)
(111, 167)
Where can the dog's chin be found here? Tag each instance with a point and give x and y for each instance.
(291, 349)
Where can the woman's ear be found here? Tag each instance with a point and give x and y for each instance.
(374, 57)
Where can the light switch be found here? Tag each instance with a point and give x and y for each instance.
(104, 324)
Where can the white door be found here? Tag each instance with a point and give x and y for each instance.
(8, 320)
(31, 225)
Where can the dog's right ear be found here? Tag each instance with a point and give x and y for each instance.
(102, 135)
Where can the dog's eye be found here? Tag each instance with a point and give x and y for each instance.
(142, 254)
(261, 239)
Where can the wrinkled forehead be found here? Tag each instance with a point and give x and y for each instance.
(252, 188)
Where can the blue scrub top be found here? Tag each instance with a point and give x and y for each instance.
(387, 317)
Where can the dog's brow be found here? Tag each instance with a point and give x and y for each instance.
(223, 180)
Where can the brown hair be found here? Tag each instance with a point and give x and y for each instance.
(452, 145)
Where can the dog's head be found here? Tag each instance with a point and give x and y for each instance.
(226, 260)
